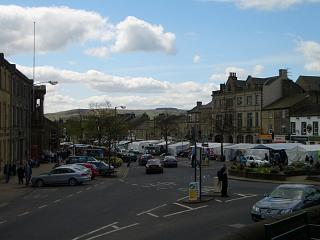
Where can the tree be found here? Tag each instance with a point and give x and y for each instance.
(166, 124)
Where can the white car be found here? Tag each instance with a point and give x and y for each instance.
(256, 160)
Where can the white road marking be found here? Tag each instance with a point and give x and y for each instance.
(2, 222)
(153, 215)
(184, 206)
(121, 180)
(243, 197)
(112, 231)
(218, 200)
(86, 234)
(151, 209)
(134, 184)
(96, 185)
(188, 210)
(88, 188)
(238, 225)
(182, 198)
(23, 214)
(45, 205)
(79, 192)
(70, 195)
(115, 227)
(58, 200)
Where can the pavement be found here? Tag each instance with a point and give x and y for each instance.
(13, 190)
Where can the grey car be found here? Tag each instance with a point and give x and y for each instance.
(62, 175)
(286, 198)
(170, 161)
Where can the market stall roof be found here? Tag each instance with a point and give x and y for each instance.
(309, 148)
(277, 146)
(241, 146)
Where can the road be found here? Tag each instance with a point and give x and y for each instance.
(135, 206)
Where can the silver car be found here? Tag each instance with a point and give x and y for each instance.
(70, 175)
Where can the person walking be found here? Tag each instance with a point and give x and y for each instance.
(21, 172)
(223, 177)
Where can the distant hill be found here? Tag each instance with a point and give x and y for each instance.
(150, 112)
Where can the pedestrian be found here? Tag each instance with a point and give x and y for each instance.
(266, 157)
(311, 160)
(128, 163)
(21, 172)
(307, 159)
(223, 177)
(28, 171)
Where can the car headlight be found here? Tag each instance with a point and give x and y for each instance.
(285, 211)
(255, 208)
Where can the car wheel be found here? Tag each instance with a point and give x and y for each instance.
(72, 182)
(40, 183)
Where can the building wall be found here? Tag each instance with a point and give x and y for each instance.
(311, 130)
(5, 98)
(272, 92)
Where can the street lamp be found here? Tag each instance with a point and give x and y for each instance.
(115, 123)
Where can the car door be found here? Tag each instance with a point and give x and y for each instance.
(54, 177)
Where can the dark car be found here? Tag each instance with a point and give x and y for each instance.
(286, 198)
(103, 168)
(170, 161)
(144, 159)
(154, 166)
(80, 159)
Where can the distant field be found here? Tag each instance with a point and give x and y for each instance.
(150, 112)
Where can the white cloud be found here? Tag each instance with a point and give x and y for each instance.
(196, 58)
(311, 51)
(100, 52)
(240, 72)
(133, 34)
(58, 27)
(265, 4)
(134, 92)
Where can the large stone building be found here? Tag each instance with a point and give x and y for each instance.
(15, 114)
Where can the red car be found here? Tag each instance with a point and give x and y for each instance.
(92, 167)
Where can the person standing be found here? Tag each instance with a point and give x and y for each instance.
(21, 172)
(223, 177)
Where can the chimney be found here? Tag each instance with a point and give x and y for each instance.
(283, 73)
(199, 104)
(233, 75)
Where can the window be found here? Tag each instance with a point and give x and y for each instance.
(303, 128)
(293, 128)
(239, 101)
(249, 120)
(315, 128)
(283, 129)
(283, 113)
(229, 102)
(270, 114)
(249, 139)
(249, 100)
(228, 120)
(257, 100)
(239, 139)
(219, 121)
(239, 120)
(257, 119)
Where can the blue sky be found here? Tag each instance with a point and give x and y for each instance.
(147, 54)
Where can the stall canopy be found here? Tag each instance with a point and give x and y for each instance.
(175, 148)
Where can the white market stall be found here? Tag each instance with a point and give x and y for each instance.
(310, 150)
(175, 148)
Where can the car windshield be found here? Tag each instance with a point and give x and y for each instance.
(287, 193)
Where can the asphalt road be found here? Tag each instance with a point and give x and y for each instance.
(136, 206)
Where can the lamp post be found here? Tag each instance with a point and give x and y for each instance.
(115, 123)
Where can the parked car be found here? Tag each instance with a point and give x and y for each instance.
(80, 159)
(65, 174)
(154, 166)
(252, 160)
(286, 198)
(103, 168)
(92, 167)
(144, 159)
(170, 161)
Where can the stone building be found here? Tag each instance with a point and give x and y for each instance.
(15, 114)
(200, 121)
(236, 110)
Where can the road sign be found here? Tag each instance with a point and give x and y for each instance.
(194, 191)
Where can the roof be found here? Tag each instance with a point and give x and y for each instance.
(255, 80)
(309, 83)
(241, 83)
(311, 110)
(271, 80)
(287, 102)
(198, 108)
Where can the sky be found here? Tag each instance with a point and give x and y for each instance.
(147, 54)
